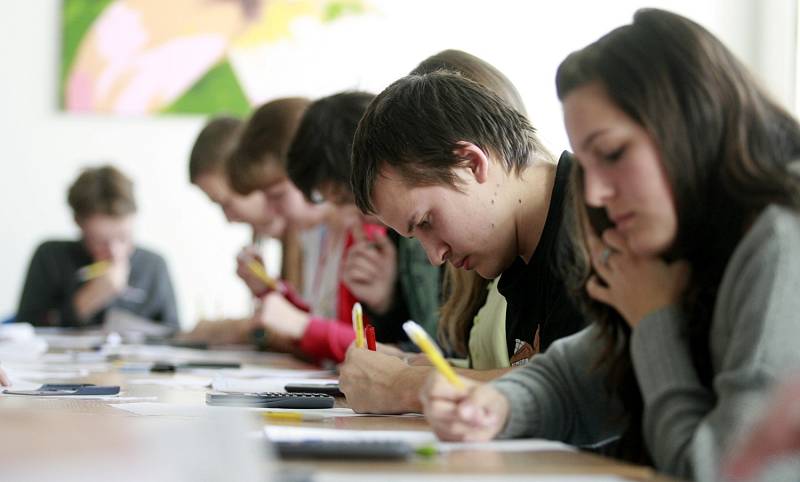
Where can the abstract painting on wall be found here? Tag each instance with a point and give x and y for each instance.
(145, 57)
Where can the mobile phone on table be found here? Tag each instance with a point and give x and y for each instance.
(67, 389)
(331, 388)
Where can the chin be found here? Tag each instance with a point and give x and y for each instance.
(645, 247)
(485, 273)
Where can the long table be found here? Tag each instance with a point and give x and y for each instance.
(35, 419)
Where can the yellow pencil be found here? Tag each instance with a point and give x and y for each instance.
(358, 325)
(429, 348)
(292, 417)
(94, 270)
(258, 269)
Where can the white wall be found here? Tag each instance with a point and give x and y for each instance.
(43, 149)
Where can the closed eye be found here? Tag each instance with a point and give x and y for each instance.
(425, 223)
(422, 224)
(614, 155)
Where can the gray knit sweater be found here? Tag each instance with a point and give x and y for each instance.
(754, 339)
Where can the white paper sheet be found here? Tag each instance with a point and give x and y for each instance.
(414, 437)
(197, 410)
(39, 372)
(516, 445)
(420, 477)
(175, 381)
(77, 341)
(283, 433)
(78, 357)
(129, 324)
(108, 398)
(17, 384)
(260, 372)
(22, 350)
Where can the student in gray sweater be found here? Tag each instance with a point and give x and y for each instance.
(687, 259)
(75, 283)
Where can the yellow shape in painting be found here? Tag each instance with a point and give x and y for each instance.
(276, 18)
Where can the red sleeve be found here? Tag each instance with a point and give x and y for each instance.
(327, 339)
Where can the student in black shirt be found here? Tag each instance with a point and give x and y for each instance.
(441, 158)
(538, 311)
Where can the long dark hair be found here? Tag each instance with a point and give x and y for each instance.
(725, 147)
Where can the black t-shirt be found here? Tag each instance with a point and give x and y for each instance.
(535, 292)
(52, 281)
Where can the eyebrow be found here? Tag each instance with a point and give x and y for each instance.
(592, 137)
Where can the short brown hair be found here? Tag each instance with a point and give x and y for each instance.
(415, 127)
(260, 156)
(213, 146)
(101, 190)
(473, 68)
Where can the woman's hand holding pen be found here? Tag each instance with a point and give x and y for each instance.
(475, 413)
(633, 285)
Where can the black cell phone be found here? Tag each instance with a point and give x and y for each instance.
(161, 367)
(331, 388)
(270, 400)
(77, 389)
(338, 449)
(598, 218)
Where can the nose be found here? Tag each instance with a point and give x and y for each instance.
(436, 251)
(597, 188)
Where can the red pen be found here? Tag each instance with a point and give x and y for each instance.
(370, 332)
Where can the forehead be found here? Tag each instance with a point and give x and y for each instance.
(105, 223)
(214, 184)
(397, 202)
(391, 197)
(590, 115)
(587, 104)
(272, 174)
(335, 193)
(276, 185)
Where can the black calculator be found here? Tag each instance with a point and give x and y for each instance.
(270, 400)
(343, 449)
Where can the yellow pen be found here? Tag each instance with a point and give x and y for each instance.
(92, 271)
(292, 417)
(429, 348)
(358, 325)
(258, 269)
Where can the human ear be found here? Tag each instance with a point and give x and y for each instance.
(474, 159)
